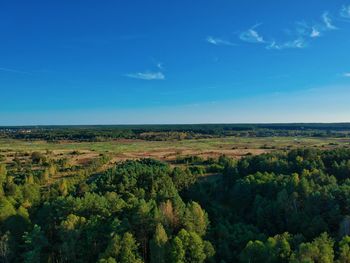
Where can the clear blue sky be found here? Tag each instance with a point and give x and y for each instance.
(204, 61)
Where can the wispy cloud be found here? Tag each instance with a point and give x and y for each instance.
(297, 43)
(316, 29)
(298, 38)
(148, 75)
(252, 35)
(327, 20)
(345, 11)
(219, 41)
(160, 65)
(346, 74)
(11, 70)
(304, 30)
(300, 35)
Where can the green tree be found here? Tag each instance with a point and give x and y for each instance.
(3, 174)
(177, 251)
(62, 187)
(113, 249)
(278, 248)
(209, 250)
(18, 224)
(195, 249)
(70, 232)
(6, 209)
(35, 242)
(128, 250)
(37, 158)
(195, 219)
(320, 251)
(108, 260)
(254, 252)
(158, 245)
(344, 250)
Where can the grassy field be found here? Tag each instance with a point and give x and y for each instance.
(168, 150)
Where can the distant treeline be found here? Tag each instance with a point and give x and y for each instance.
(173, 132)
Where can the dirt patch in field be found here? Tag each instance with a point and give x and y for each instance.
(236, 153)
(171, 155)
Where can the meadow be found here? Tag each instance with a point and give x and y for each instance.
(122, 149)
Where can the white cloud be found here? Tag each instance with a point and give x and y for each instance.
(147, 75)
(345, 11)
(252, 36)
(305, 30)
(315, 32)
(302, 31)
(328, 21)
(298, 38)
(297, 43)
(347, 74)
(219, 42)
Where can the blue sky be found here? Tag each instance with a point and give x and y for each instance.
(122, 62)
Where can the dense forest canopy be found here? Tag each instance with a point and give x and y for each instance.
(289, 206)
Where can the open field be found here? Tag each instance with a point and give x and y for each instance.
(235, 147)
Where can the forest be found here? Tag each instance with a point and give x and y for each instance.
(172, 132)
(279, 206)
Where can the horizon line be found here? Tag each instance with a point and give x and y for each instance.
(173, 124)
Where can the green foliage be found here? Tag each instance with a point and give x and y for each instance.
(195, 219)
(274, 249)
(320, 250)
(174, 132)
(158, 245)
(277, 207)
(6, 209)
(70, 232)
(300, 193)
(35, 242)
(177, 251)
(194, 246)
(344, 250)
(3, 173)
(130, 213)
(124, 250)
(254, 252)
(38, 158)
(128, 250)
(182, 179)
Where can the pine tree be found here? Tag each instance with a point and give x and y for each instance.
(128, 251)
(177, 251)
(158, 245)
(35, 241)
